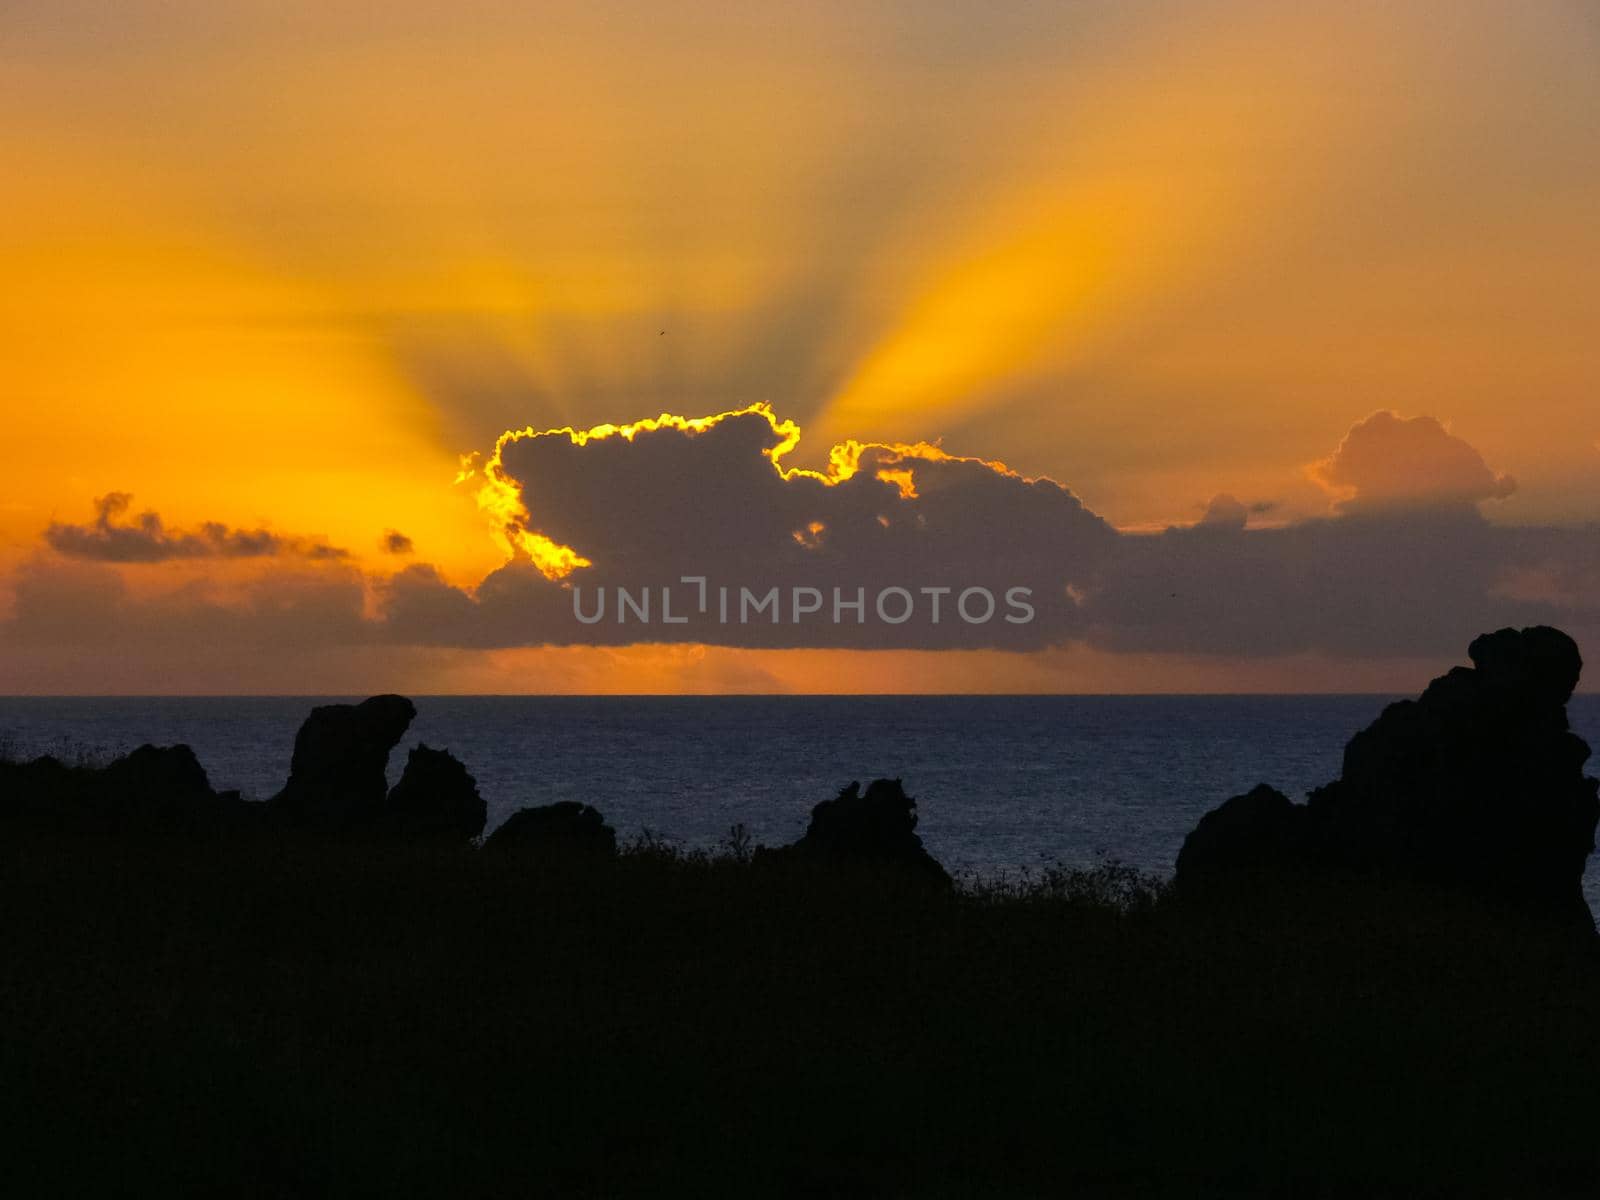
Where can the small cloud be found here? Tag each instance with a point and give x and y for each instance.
(1392, 462)
(395, 542)
(145, 539)
(1225, 512)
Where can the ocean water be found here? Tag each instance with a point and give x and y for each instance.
(1002, 782)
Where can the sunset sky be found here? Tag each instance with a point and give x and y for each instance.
(285, 273)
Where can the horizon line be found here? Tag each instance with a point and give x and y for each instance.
(336, 696)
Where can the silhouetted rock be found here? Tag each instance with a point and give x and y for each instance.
(152, 790)
(876, 827)
(1477, 785)
(1262, 830)
(158, 788)
(340, 754)
(1540, 663)
(336, 786)
(563, 830)
(435, 798)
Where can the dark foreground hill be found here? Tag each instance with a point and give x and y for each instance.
(338, 992)
(405, 1020)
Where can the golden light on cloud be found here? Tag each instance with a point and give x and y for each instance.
(516, 529)
(499, 497)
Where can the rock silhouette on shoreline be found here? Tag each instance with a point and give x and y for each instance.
(1477, 785)
(436, 799)
(872, 828)
(341, 752)
(336, 789)
(565, 829)
(156, 790)
(338, 786)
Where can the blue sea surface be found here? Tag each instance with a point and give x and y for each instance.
(1002, 782)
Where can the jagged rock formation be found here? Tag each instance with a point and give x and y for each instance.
(1478, 785)
(435, 799)
(336, 787)
(337, 783)
(341, 753)
(876, 827)
(566, 829)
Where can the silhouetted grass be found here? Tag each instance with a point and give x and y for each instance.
(296, 1019)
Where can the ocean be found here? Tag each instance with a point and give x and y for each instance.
(1003, 783)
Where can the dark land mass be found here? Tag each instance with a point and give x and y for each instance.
(1388, 990)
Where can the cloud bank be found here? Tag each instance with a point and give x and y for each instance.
(680, 530)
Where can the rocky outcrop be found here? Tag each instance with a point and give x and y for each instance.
(338, 786)
(1262, 830)
(337, 776)
(436, 799)
(875, 827)
(563, 830)
(160, 790)
(1476, 785)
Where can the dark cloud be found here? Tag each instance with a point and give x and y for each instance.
(1391, 462)
(1225, 512)
(144, 538)
(911, 526)
(395, 542)
(420, 608)
(92, 605)
(82, 628)
(1376, 585)
(1407, 566)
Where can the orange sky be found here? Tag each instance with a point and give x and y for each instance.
(282, 264)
